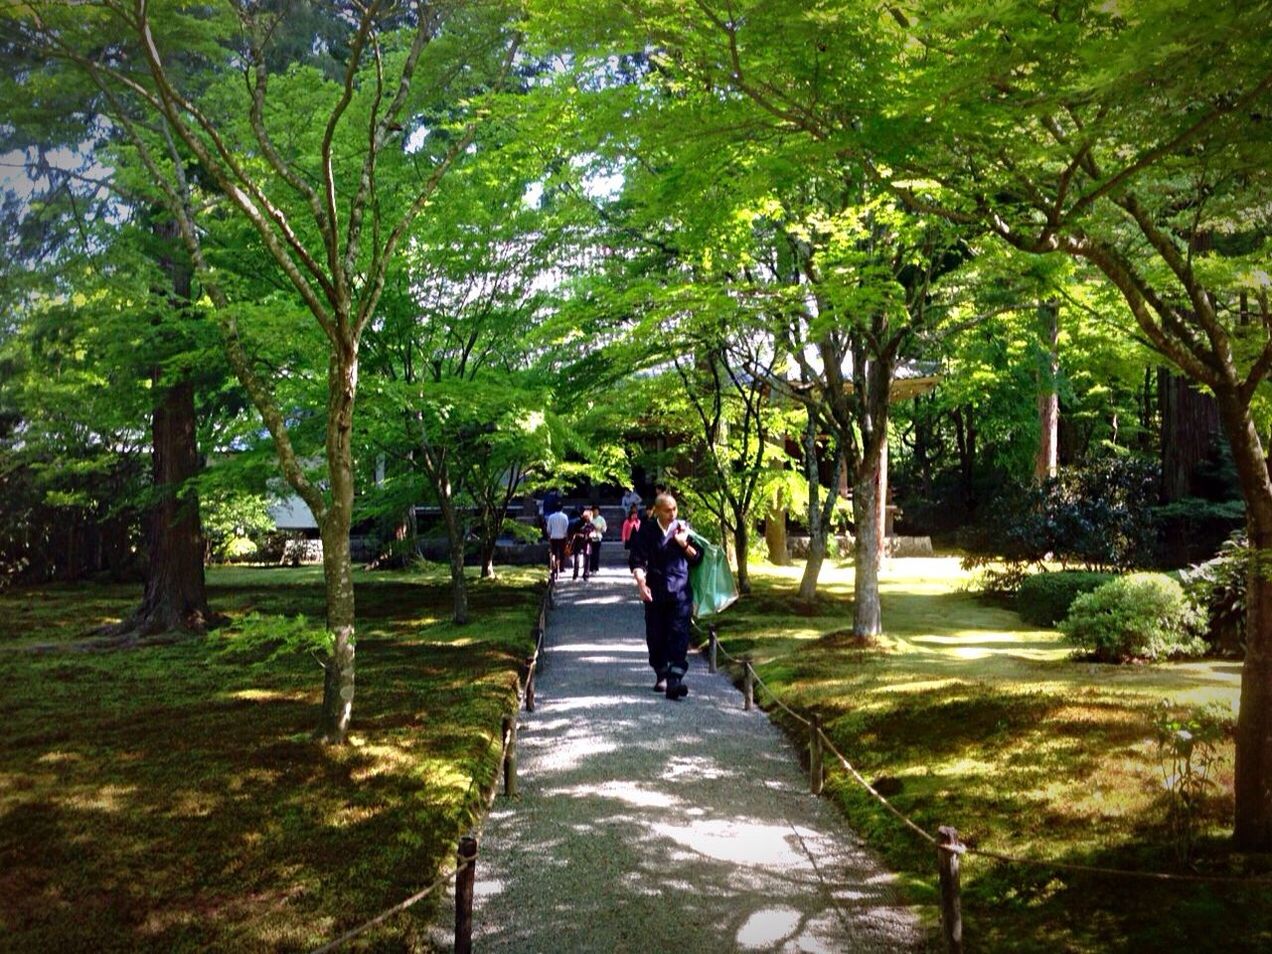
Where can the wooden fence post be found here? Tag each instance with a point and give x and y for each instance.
(531, 662)
(748, 685)
(947, 860)
(466, 862)
(815, 774)
(711, 658)
(510, 756)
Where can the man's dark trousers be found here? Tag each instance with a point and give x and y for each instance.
(667, 636)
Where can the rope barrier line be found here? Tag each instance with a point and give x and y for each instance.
(1122, 872)
(729, 657)
(488, 800)
(909, 822)
(985, 853)
(396, 909)
(778, 702)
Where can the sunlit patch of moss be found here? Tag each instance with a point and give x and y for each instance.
(58, 758)
(976, 720)
(107, 798)
(268, 695)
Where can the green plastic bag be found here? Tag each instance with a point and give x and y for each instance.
(712, 581)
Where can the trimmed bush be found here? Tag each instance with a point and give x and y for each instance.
(1139, 616)
(1044, 598)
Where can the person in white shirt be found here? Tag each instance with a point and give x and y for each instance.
(599, 526)
(558, 530)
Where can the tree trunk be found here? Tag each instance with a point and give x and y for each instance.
(867, 617)
(818, 516)
(1190, 424)
(775, 536)
(1048, 396)
(454, 533)
(337, 559)
(965, 438)
(741, 541)
(1253, 783)
(175, 595)
(816, 532)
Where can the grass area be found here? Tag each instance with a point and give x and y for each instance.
(984, 723)
(174, 798)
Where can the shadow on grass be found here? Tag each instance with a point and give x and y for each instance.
(169, 799)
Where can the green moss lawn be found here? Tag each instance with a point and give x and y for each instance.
(174, 798)
(984, 723)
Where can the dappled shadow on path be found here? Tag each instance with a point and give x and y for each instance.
(645, 824)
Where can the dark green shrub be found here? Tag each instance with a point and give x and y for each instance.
(1098, 517)
(1218, 589)
(1044, 598)
(1139, 616)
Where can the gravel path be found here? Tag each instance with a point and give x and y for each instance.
(644, 824)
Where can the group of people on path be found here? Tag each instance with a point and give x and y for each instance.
(660, 555)
(575, 541)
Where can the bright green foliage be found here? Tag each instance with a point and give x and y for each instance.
(264, 639)
(1044, 598)
(234, 524)
(1138, 616)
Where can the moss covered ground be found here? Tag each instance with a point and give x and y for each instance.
(174, 798)
(981, 722)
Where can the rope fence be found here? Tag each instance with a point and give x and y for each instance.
(464, 871)
(949, 848)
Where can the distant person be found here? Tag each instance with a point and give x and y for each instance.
(660, 558)
(599, 528)
(552, 502)
(631, 499)
(630, 525)
(558, 526)
(580, 543)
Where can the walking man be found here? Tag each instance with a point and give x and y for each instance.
(660, 558)
(558, 524)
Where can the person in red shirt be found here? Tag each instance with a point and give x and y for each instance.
(630, 526)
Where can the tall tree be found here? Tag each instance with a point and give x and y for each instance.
(330, 197)
(1130, 137)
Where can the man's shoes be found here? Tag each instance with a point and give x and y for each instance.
(676, 689)
(661, 684)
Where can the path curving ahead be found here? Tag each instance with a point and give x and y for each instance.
(643, 824)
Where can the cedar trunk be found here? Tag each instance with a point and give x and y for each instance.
(1190, 423)
(1046, 462)
(175, 596)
